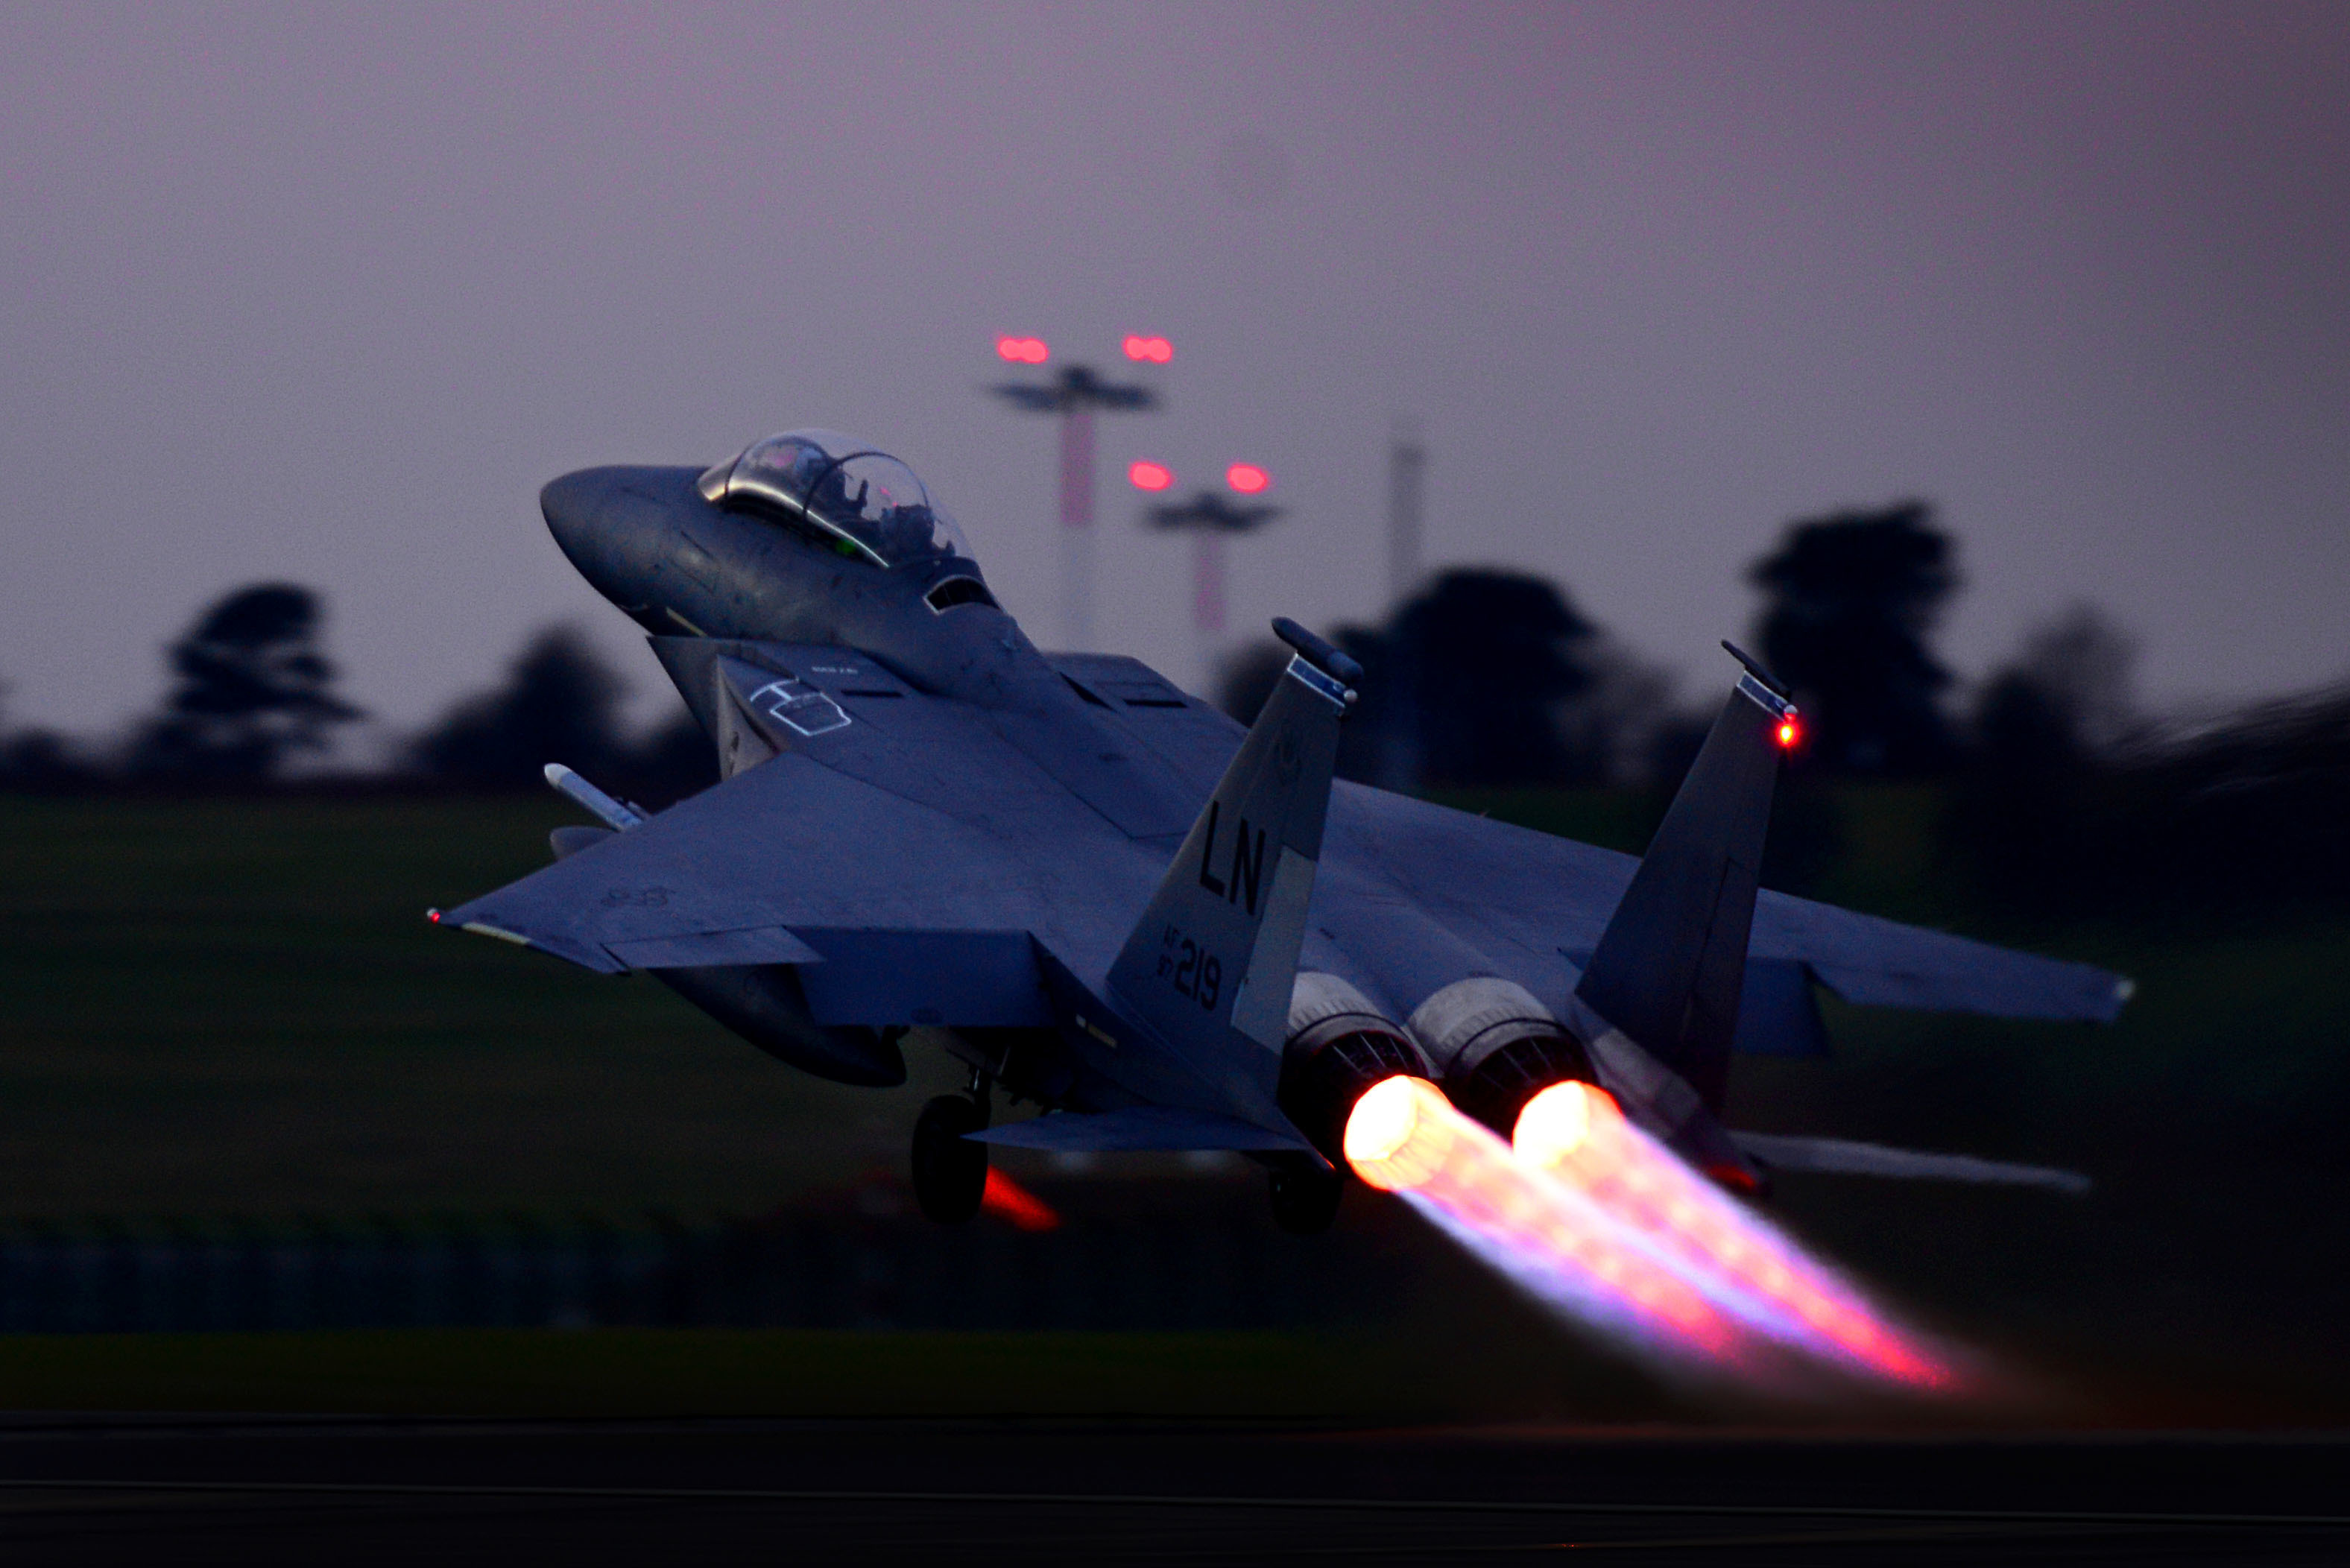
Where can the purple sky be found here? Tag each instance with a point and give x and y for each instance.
(325, 294)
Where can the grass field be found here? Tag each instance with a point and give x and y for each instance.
(219, 1007)
(708, 1371)
(238, 1005)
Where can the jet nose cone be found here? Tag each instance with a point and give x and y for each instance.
(570, 504)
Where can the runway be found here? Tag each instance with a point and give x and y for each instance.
(159, 1489)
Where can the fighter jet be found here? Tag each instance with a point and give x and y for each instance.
(1114, 904)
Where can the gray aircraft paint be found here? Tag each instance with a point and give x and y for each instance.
(984, 831)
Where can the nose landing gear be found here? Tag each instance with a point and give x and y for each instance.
(950, 1170)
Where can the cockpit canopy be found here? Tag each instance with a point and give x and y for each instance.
(861, 503)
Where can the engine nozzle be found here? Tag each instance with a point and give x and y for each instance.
(1495, 1047)
(1339, 1046)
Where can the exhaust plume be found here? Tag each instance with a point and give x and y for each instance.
(1604, 1225)
(1579, 1136)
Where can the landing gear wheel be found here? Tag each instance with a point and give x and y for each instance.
(1305, 1201)
(950, 1170)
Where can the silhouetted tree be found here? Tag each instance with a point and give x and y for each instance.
(674, 760)
(2071, 804)
(560, 703)
(1614, 727)
(1851, 599)
(1492, 658)
(253, 690)
(45, 762)
(1468, 684)
(2065, 698)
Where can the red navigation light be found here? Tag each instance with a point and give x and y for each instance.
(1151, 476)
(1247, 478)
(1023, 350)
(1157, 350)
(1791, 732)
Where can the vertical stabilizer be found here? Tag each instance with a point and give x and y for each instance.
(1211, 966)
(1670, 965)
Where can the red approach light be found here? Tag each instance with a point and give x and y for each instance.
(1156, 350)
(1023, 350)
(1007, 1200)
(1151, 476)
(1247, 478)
(1790, 733)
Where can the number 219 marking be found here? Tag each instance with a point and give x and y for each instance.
(1192, 970)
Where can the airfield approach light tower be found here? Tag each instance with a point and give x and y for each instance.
(1210, 519)
(1074, 395)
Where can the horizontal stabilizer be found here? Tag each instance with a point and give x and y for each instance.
(2009, 984)
(1841, 1156)
(1135, 1130)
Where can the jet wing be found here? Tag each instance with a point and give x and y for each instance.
(904, 851)
(896, 907)
(910, 846)
(1534, 903)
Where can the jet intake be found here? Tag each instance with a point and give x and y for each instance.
(1494, 1047)
(1338, 1045)
(765, 1004)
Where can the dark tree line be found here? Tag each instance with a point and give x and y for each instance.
(251, 696)
(252, 691)
(1850, 601)
(1495, 679)
(561, 703)
(2058, 795)
(1487, 679)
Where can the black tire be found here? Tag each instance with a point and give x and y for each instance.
(950, 1170)
(1305, 1201)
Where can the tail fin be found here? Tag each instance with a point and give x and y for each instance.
(1670, 967)
(1211, 966)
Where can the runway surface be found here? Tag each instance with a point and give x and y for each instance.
(159, 1489)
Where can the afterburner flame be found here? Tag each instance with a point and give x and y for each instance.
(1397, 1136)
(1598, 1220)
(1577, 1134)
(1560, 1122)
(1405, 1136)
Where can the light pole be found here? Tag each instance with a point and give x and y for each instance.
(1399, 747)
(1074, 395)
(1210, 519)
(1407, 476)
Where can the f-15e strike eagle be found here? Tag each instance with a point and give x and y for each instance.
(1109, 901)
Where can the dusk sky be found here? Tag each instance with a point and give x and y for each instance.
(325, 294)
